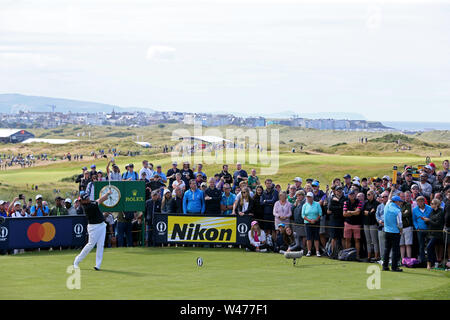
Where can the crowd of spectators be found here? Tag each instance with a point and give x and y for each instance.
(350, 212)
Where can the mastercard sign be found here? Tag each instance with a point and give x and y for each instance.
(41, 232)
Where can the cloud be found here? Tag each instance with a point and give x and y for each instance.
(160, 53)
(29, 60)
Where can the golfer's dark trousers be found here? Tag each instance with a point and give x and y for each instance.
(392, 242)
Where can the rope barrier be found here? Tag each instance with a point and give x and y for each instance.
(335, 227)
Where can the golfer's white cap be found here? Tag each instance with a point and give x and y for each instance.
(298, 179)
(39, 196)
(310, 194)
(68, 200)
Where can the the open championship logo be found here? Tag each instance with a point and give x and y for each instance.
(3, 233)
(161, 226)
(242, 228)
(78, 229)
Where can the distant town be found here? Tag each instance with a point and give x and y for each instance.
(30, 119)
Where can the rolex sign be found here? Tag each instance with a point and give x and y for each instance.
(125, 195)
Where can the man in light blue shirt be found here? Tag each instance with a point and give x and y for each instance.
(419, 213)
(228, 198)
(392, 229)
(161, 174)
(130, 175)
(39, 210)
(193, 200)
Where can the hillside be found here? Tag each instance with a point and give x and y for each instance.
(15, 102)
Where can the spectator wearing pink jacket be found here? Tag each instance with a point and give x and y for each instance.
(282, 210)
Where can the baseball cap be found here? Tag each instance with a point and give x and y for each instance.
(281, 225)
(356, 183)
(310, 194)
(166, 191)
(84, 168)
(17, 203)
(59, 198)
(68, 200)
(356, 178)
(298, 179)
(431, 164)
(338, 188)
(347, 176)
(39, 196)
(93, 166)
(352, 192)
(175, 163)
(84, 196)
(396, 198)
(315, 183)
(158, 166)
(309, 180)
(386, 178)
(254, 222)
(428, 167)
(2, 202)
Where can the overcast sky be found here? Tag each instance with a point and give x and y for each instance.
(388, 60)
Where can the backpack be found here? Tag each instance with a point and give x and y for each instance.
(334, 254)
(410, 262)
(347, 254)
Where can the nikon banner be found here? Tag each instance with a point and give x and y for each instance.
(126, 195)
(222, 229)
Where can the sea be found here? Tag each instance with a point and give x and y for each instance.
(417, 126)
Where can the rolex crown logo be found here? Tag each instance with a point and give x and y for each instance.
(134, 192)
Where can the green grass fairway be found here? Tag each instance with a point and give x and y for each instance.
(172, 273)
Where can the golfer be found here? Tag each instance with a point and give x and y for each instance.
(96, 228)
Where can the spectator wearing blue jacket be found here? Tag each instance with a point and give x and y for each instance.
(392, 229)
(419, 213)
(193, 200)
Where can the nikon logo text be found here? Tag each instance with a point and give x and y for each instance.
(195, 232)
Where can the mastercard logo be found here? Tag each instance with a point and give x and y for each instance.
(41, 232)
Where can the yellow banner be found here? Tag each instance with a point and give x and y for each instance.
(201, 229)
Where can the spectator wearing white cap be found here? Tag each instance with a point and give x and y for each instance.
(71, 211)
(298, 184)
(39, 209)
(15, 209)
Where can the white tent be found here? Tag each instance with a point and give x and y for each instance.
(50, 141)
